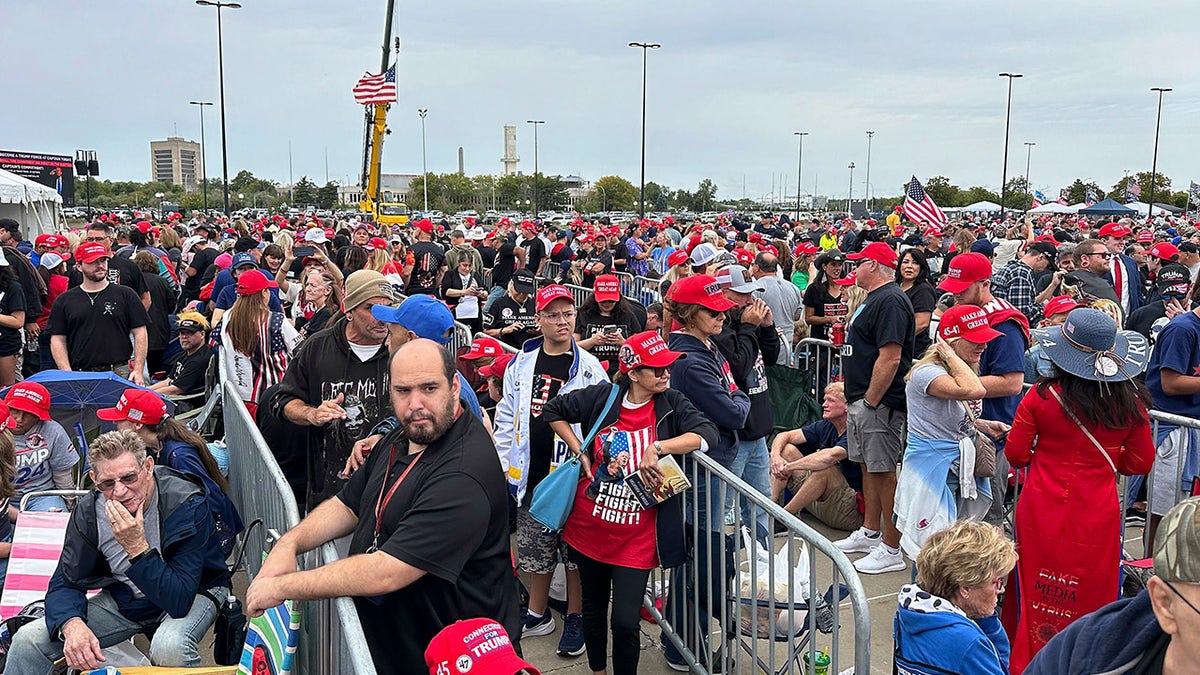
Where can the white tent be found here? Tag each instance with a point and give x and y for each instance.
(1052, 207)
(1143, 208)
(33, 205)
(981, 207)
(1075, 207)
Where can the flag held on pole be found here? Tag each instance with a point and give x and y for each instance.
(376, 89)
(919, 206)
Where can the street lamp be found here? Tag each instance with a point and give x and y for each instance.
(603, 197)
(86, 165)
(799, 165)
(203, 157)
(1028, 155)
(221, 80)
(1154, 162)
(536, 124)
(424, 172)
(870, 134)
(850, 194)
(1007, 116)
(642, 191)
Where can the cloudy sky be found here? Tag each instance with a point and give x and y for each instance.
(730, 85)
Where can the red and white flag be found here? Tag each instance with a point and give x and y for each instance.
(376, 89)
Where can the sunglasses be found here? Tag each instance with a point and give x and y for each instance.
(1104, 255)
(127, 479)
(714, 313)
(657, 372)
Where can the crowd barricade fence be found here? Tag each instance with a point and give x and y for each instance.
(331, 636)
(579, 293)
(549, 269)
(822, 359)
(747, 598)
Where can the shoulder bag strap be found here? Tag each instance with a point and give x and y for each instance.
(612, 397)
(1084, 430)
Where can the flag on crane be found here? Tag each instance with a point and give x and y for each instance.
(919, 206)
(376, 89)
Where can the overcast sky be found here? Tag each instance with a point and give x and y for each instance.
(730, 85)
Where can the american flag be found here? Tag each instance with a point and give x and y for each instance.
(1038, 199)
(376, 89)
(1194, 192)
(919, 206)
(1091, 197)
(1132, 191)
(1062, 196)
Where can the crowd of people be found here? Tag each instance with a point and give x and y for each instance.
(975, 360)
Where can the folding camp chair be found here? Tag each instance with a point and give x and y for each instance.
(799, 640)
(37, 545)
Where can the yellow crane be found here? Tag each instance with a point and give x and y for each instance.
(379, 205)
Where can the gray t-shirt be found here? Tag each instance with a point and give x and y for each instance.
(786, 304)
(932, 417)
(118, 559)
(45, 449)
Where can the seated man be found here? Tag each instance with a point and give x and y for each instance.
(812, 463)
(1152, 632)
(146, 537)
(187, 369)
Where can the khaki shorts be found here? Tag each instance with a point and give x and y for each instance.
(539, 549)
(875, 437)
(839, 510)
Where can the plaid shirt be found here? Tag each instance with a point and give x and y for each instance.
(1014, 283)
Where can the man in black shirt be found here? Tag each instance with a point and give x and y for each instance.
(428, 262)
(876, 357)
(428, 515)
(121, 269)
(507, 258)
(186, 371)
(90, 324)
(204, 254)
(511, 318)
(535, 247)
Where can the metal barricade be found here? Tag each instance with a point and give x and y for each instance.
(331, 637)
(549, 269)
(626, 280)
(645, 290)
(768, 605)
(1177, 454)
(461, 340)
(579, 293)
(823, 359)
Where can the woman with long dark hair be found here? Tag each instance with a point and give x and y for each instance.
(617, 546)
(174, 445)
(913, 276)
(12, 321)
(605, 319)
(825, 299)
(1075, 431)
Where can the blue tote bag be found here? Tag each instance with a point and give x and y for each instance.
(554, 497)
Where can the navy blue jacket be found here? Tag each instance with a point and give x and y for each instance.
(1111, 639)
(704, 377)
(184, 457)
(169, 578)
(1133, 280)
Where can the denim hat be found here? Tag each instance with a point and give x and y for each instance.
(1089, 346)
(424, 315)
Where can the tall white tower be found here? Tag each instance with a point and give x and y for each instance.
(510, 158)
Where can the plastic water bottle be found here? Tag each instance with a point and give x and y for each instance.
(824, 613)
(230, 632)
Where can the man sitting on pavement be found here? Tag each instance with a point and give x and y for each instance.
(813, 464)
(145, 537)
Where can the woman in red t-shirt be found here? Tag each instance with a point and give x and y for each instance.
(614, 541)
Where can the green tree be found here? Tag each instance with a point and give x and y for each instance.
(657, 197)
(1077, 191)
(327, 195)
(620, 194)
(1017, 194)
(305, 192)
(977, 194)
(705, 197)
(941, 191)
(1162, 187)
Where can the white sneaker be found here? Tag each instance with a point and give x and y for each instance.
(880, 560)
(857, 542)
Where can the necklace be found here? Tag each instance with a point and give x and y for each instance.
(91, 296)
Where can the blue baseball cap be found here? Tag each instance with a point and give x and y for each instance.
(243, 259)
(424, 315)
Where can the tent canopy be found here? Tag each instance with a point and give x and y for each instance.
(1160, 209)
(33, 205)
(981, 207)
(1052, 207)
(1107, 207)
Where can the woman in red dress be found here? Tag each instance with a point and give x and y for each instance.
(1075, 430)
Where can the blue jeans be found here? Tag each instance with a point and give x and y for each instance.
(175, 644)
(753, 465)
(495, 294)
(44, 504)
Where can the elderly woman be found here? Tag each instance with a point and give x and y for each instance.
(946, 622)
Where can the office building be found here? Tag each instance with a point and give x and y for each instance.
(176, 160)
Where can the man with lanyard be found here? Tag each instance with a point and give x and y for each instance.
(90, 325)
(428, 523)
(121, 270)
(1002, 367)
(1123, 272)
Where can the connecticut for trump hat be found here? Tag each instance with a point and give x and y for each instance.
(475, 646)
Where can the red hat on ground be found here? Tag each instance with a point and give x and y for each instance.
(967, 322)
(254, 281)
(498, 367)
(1164, 251)
(483, 346)
(136, 405)
(877, 251)
(6, 415)
(679, 257)
(700, 289)
(966, 269)
(548, 294)
(475, 646)
(91, 251)
(647, 350)
(607, 287)
(30, 397)
(1060, 304)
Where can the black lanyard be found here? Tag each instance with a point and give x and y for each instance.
(382, 502)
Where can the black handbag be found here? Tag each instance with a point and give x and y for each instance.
(230, 627)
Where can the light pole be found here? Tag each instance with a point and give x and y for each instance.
(203, 157)
(87, 166)
(424, 172)
(536, 124)
(221, 80)
(850, 194)
(1154, 162)
(642, 191)
(1028, 155)
(1007, 117)
(159, 196)
(799, 165)
(603, 197)
(870, 134)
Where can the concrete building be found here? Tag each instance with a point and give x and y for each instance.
(393, 187)
(577, 189)
(176, 160)
(510, 158)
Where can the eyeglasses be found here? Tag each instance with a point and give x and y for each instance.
(99, 240)
(127, 479)
(1105, 254)
(1000, 583)
(1176, 592)
(558, 317)
(657, 372)
(714, 313)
